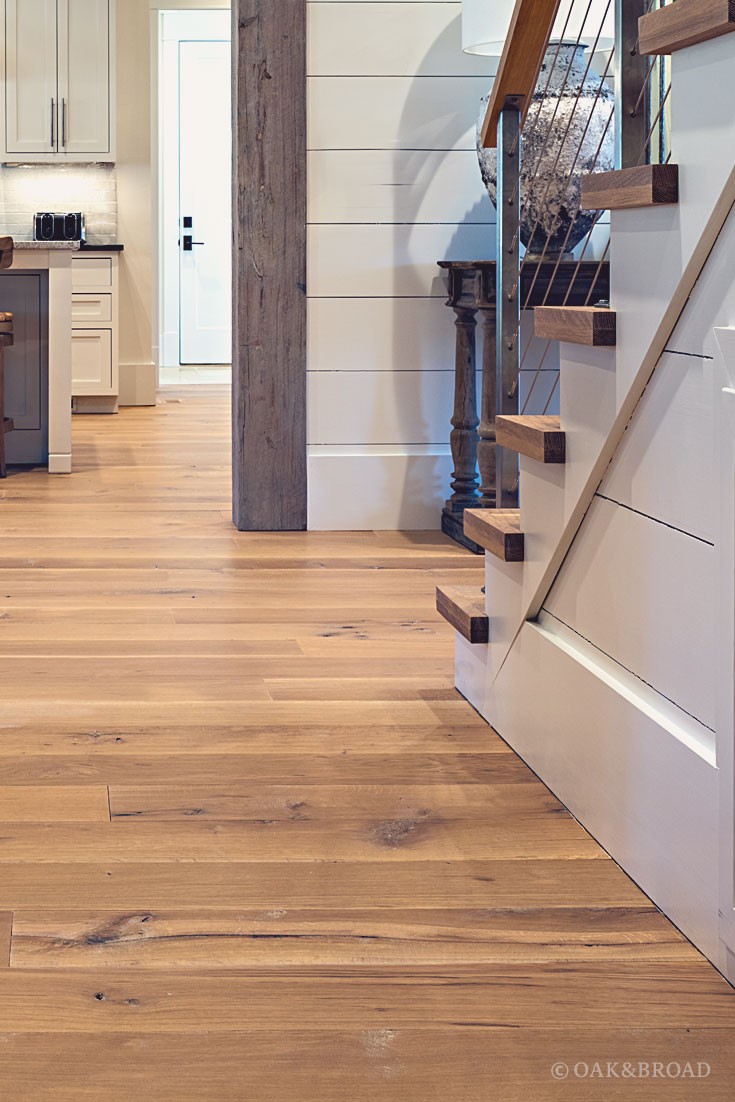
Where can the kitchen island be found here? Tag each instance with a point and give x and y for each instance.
(39, 366)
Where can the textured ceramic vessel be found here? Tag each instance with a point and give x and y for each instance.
(573, 110)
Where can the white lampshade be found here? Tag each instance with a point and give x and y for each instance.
(485, 24)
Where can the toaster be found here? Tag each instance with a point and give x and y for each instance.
(59, 227)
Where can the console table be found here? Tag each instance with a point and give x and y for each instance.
(471, 289)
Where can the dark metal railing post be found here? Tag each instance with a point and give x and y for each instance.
(488, 407)
(507, 291)
(632, 95)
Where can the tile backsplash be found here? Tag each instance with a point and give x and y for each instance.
(92, 189)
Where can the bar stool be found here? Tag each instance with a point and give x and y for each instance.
(6, 424)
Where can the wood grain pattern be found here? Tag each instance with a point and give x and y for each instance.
(539, 437)
(528, 36)
(676, 26)
(269, 264)
(353, 891)
(590, 325)
(365, 1064)
(464, 608)
(626, 188)
(214, 940)
(498, 531)
(585, 995)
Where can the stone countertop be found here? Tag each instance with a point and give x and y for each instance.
(70, 246)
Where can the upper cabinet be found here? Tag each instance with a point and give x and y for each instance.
(58, 81)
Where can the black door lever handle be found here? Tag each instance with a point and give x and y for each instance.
(189, 243)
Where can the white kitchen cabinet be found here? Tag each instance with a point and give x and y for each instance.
(58, 80)
(91, 361)
(94, 335)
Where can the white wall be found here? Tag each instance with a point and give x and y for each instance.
(393, 187)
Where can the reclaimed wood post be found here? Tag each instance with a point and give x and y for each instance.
(463, 437)
(269, 269)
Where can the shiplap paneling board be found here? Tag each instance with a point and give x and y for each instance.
(396, 185)
(644, 594)
(664, 464)
(390, 39)
(380, 334)
(389, 261)
(393, 112)
(712, 302)
(377, 489)
(380, 407)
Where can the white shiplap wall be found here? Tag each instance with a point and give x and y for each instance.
(393, 187)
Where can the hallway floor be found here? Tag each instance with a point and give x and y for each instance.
(253, 845)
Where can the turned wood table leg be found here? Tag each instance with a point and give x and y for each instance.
(463, 437)
(488, 411)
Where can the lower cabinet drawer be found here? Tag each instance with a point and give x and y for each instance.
(91, 308)
(91, 361)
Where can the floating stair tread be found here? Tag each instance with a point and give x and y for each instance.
(464, 608)
(538, 437)
(685, 23)
(626, 188)
(590, 325)
(497, 530)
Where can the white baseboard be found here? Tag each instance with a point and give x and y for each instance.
(138, 384)
(59, 464)
(382, 487)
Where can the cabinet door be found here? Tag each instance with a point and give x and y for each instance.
(84, 77)
(31, 95)
(91, 361)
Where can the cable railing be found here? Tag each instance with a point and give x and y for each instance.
(573, 96)
(570, 130)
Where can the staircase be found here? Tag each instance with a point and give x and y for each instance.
(598, 661)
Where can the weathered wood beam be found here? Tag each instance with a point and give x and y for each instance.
(269, 264)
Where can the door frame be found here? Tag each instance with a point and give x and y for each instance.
(166, 320)
(269, 265)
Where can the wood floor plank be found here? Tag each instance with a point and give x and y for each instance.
(296, 839)
(48, 804)
(373, 803)
(503, 997)
(364, 1065)
(207, 940)
(338, 884)
(100, 767)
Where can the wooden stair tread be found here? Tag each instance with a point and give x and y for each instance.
(626, 188)
(685, 23)
(591, 325)
(537, 436)
(497, 530)
(464, 608)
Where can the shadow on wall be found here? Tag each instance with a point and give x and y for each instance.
(429, 349)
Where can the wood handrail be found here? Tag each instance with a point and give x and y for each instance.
(528, 36)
